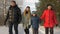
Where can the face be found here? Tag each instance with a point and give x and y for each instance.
(13, 4)
(49, 7)
(27, 9)
(34, 14)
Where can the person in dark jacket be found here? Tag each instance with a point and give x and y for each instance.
(14, 17)
(35, 23)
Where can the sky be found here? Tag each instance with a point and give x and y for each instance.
(30, 3)
(25, 3)
(33, 1)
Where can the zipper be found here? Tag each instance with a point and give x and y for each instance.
(49, 18)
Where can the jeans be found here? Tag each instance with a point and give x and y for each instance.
(26, 30)
(47, 30)
(15, 28)
(35, 31)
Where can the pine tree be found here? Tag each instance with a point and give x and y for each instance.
(43, 4)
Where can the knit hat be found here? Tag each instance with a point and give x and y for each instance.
(33, 12)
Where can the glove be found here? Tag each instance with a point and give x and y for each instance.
(56, 25)
(5, 23)
(29, 26)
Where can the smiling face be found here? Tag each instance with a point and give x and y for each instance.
(34, 14)
(49, 7)
(27, 9)
(12, 3)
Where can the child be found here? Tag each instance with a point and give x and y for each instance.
(35, 23)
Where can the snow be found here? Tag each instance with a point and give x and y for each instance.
(4, 30)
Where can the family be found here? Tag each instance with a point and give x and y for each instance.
(14, 17)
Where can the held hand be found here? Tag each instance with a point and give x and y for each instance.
(29, 26)
(4, 23)
(56, 25)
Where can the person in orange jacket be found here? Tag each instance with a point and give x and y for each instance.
(49, 18)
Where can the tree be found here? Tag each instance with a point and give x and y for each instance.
(3, 7)
(43, 3)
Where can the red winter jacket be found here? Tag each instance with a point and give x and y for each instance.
(49, 18)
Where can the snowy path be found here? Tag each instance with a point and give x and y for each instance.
(4, 30)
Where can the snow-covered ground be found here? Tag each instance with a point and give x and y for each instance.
(4, 30)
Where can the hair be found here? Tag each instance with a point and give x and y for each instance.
(26, 10)
(14, 1)
(50, 5)
(32, 14)
(29, 13)
(28, 7)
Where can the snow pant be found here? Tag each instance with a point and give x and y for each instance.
(26, 30)
(47, 30)
(15, 28)
(35, 31)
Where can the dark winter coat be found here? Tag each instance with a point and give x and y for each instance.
(14, 14)
(35, 22)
